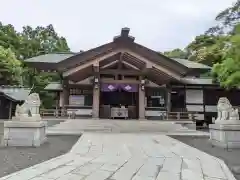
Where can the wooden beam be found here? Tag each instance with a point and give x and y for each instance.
(140, 61)
(95, 69)
(145, 71)
(90, 63)
(121, 72)
(125, 81)
(130, 65)
(120, 61)
(110, 64)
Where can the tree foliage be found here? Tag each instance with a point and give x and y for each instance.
(10, 68)
(219, 47)
(227, 20)
(43, 40)
(228, 71)
(28, 43)
(176, 53)
(11, 39)
(207, 49)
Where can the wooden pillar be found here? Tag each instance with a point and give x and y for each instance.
(57, 103)
(141, 101)
(169, 106)
(65, 95)
(96, 91)
(95, 107)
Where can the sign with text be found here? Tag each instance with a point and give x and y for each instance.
(76, 100)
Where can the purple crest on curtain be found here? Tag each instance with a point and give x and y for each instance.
(106, 87)
(129, 87)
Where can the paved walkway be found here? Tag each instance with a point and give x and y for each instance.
(104, 156)
(77, 126)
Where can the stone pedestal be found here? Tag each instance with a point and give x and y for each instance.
(24, 133)
(225, 135)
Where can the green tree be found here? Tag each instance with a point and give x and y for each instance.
(38, 41)
(10, 38)
(227, 20)
(43, 40)
(29, 43)
(176, 53)
(227, 73)
(10, 68)
(211, 47)
(208, 49)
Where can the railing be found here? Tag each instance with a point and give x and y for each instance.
(69, 112)
(156, 108)
(181, 116)
(50, 112)
(57, 113)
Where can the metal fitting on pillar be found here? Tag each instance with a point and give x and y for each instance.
(96, 83)
(143, 84)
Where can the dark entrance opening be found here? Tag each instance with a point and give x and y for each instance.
(178, 100)
(119, 98)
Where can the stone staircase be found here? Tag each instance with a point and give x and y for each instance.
(78, 126)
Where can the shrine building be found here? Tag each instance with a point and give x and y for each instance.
(123, 79)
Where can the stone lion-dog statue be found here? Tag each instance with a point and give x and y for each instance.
(29, 110)
(226, 113)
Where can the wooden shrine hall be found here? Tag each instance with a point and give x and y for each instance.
(123, 79)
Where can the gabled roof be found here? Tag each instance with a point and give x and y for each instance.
(15, 93)
(64, 61)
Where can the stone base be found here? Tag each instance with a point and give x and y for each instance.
(24, 133)
(225, 135)
(32, 118)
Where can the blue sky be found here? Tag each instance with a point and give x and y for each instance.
(158, 24)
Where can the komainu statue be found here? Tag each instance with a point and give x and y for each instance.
(226, 113)
(29, 110)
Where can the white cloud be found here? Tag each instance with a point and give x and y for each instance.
(158, 24)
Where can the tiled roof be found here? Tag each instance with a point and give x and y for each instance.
(191, 64)
(58, 86)
(202, 81)
(58, 57)
(50, 58)
(54, 86)
(15, 93)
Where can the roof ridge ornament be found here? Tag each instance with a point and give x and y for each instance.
(124, 35)
(125, 32)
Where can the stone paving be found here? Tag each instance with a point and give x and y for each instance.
(104, 156)
(78, 126)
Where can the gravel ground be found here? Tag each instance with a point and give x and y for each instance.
(231, 157)
(13, 159)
